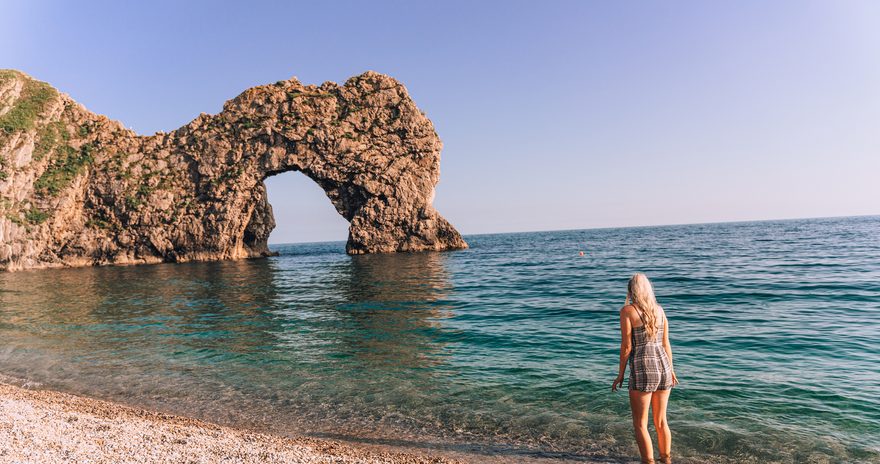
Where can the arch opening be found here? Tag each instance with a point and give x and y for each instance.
(302, 211)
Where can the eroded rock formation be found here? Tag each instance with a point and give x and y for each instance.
(78, 189)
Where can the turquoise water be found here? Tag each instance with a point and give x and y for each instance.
(508, 348)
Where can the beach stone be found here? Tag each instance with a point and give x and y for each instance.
(78, 189)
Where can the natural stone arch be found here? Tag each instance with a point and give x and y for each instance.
(197, 193)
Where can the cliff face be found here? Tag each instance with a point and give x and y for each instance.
(77, 189)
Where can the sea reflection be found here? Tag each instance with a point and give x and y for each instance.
(283, 331)
(72, 305)
(394, 304)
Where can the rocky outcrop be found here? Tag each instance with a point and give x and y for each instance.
(77, 189)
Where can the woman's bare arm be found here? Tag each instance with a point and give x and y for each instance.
(668, 346)
(625, 347)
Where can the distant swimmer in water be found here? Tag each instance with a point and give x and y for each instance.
(644, 344)
(581, 253)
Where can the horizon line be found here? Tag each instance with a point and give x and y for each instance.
(614, 227)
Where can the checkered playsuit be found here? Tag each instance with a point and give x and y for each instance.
(649, 366)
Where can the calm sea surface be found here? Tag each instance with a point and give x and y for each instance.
(508, 348)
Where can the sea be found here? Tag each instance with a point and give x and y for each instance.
(506, 350)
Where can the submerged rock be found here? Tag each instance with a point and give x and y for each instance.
(78, 189)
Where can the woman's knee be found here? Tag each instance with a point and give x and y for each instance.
(641, 429)
(660, 423)
(640, 423)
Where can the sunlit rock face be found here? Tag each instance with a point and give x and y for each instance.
(78, 189)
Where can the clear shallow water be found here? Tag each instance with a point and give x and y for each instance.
(507, 348)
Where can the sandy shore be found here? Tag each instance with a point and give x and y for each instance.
(40, 426)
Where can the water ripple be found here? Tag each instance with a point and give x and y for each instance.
(509, 347)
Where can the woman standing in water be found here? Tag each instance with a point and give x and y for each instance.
(645, 345)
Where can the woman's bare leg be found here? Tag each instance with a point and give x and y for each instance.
(639, 402)
(664, 436)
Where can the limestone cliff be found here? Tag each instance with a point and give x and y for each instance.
(77, 189)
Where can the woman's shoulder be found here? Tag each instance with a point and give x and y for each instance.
(627, 309)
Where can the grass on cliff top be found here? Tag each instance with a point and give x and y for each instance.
(48, 137)
(31, 103)
(66, 165)
(8, 74)
(35, 216)
(26, 218)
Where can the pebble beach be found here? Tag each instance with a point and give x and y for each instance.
(41, 426)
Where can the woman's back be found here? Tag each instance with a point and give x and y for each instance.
(649, 366)
(640, 333)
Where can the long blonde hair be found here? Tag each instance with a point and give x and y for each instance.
(640, 293)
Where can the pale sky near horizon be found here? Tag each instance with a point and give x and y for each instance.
(554, 115)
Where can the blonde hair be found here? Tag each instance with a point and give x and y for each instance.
(640, 293)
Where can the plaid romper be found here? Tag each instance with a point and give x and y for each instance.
(649, 367)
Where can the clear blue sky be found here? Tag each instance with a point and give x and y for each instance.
(554, 115)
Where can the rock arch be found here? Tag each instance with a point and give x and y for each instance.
(80, 189)
(302, 211)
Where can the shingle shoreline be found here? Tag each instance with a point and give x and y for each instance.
(42, 426)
